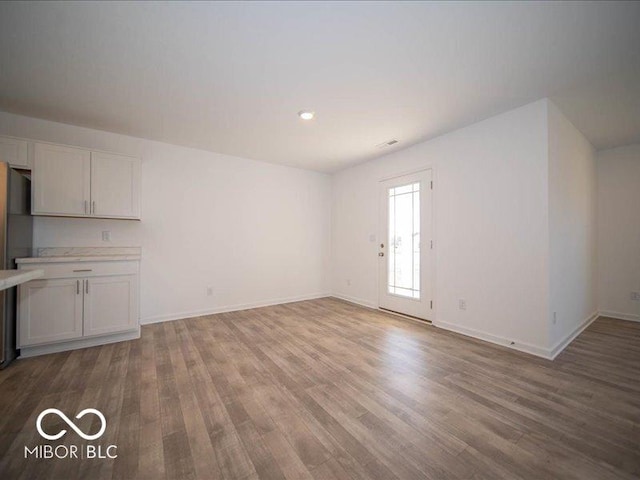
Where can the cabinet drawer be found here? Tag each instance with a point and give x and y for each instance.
(83, 269)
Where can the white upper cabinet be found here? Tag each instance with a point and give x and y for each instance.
(61, 180)
(15, 152)
(115, 181)
(80, 183)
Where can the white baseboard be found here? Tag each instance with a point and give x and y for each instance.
(620, 316)
(487, 337)
(229, 308)
(564, 343)
(548, 353)
(357, 301)
(26, 352)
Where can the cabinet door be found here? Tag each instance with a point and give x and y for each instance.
(49, 311)
(15, 152)
(115, 186)
(61, 180)
(110, 304)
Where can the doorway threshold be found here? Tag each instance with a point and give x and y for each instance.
(404, 315)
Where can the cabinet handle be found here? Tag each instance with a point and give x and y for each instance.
(77, 287)
(84, 270)
(87, 286)
(93, 207)
(86, 204)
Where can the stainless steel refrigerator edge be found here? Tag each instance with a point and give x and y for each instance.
(16, 237)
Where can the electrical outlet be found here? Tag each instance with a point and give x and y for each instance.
(106, 236)
(635, 296)
(209, 291)
(462, 304)
(348, 282)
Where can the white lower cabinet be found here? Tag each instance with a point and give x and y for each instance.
(91, 300)
(50, 311)
(109, 304)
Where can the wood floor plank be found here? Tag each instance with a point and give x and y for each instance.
(330, 470)
(201, 449)
(261, 457)
(290, 464)
(325, 389)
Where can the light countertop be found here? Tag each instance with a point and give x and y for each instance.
(78, 258)
(11, 278)
(83, 254)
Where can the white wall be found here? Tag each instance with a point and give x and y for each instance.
(257, 233)
(619, 231)
(513, 210)
(572, 230)
(492, 229)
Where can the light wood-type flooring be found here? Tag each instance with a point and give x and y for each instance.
(324, 389)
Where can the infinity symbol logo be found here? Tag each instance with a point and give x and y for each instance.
(70, 423)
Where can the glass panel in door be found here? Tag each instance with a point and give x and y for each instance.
(403, 261)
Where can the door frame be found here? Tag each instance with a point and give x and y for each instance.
(381, 228)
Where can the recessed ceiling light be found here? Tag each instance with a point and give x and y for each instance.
(305, 114)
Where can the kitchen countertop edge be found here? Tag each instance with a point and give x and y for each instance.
(77, 258)
(11, 278)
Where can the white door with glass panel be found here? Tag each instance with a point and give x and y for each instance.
(405, 248)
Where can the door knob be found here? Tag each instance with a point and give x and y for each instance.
(381, 254)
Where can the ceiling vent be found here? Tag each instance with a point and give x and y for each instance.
(387, 144)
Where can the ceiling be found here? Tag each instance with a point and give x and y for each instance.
(231, 77)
